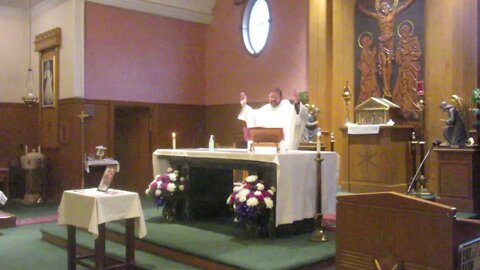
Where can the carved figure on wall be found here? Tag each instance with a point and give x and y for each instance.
(408, 58)
(368, 69)
(385, 17)
(455, 132)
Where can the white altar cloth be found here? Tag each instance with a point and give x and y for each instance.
(296, 177)
(87, 208)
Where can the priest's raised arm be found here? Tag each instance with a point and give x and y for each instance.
(279, 113)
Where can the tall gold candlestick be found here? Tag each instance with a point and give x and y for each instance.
(319, 141)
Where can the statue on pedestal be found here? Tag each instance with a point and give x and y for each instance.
(311, 127)
(455, 132)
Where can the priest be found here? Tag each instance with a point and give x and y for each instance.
(279, 113)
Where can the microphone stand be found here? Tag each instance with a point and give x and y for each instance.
(422, 177)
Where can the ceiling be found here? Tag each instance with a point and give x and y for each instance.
(191, 10)
(18, 3)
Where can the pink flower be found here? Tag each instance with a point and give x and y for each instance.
(153, 185)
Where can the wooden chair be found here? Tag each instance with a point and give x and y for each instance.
(4, 176)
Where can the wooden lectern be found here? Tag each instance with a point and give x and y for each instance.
(389, 230)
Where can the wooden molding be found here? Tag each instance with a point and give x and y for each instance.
(49, 39)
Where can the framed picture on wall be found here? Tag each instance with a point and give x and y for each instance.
(48, 81)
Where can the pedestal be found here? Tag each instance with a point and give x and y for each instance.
(379, 162)
(459, 178)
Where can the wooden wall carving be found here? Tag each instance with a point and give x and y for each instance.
(389, 53)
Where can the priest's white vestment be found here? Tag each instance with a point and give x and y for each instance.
(283, 116)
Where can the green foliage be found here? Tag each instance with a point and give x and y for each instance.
(303, 97)
(476, 96)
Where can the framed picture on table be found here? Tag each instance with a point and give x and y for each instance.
(107, 179)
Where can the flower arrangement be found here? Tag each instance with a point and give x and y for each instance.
(166, 188)
(252, 201)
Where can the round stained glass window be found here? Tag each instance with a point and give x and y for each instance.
(256, 25)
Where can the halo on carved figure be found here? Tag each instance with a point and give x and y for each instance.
(360, 37)
(392, 7)
(402, 23)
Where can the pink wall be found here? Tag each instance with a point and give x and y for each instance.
(283, 63)
(135, 56)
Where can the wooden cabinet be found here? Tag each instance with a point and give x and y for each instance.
(379, 162)
(458, 178)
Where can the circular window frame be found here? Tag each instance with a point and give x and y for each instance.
(245, 27)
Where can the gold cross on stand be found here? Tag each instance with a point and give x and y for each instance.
(82, 116)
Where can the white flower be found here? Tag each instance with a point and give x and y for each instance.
(237, 188)
(251, 178)
(172, 176)
(159, 183)
(176, 172)
(257, 193)
(171, 187)
(242, 198)
(252, 202)
(271, 191)
(244, 192)
(182, 178)
(181, 187)
(147, 191)
(229, 199)
(238, 184)
(169, 170)
(260, 186)
(273, 188)
(158, 192)
(268, 202)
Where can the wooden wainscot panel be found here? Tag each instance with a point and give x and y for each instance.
(187, 121)
(19, 127)
(459, 178)
(222, 121)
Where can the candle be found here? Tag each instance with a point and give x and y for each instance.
(319, 135)
(26, 149)
(174, 143)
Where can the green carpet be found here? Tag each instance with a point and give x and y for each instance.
(22, 211)
(143, 260)
(223, 241)
(22, 248)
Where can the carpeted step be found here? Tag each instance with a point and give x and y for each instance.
(7, 220)
(226, 245)
(57, 235)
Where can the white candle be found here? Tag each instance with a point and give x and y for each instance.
(174, 143)
(26, 149)
(319, 143)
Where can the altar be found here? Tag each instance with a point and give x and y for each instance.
(292, 172)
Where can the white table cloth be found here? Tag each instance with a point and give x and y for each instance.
(87, 208)
(296, 177)
(3, 198)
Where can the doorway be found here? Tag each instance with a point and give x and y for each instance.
(132, 146)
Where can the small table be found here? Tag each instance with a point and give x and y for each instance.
(91, 209)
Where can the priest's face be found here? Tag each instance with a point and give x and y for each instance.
(274, 98)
